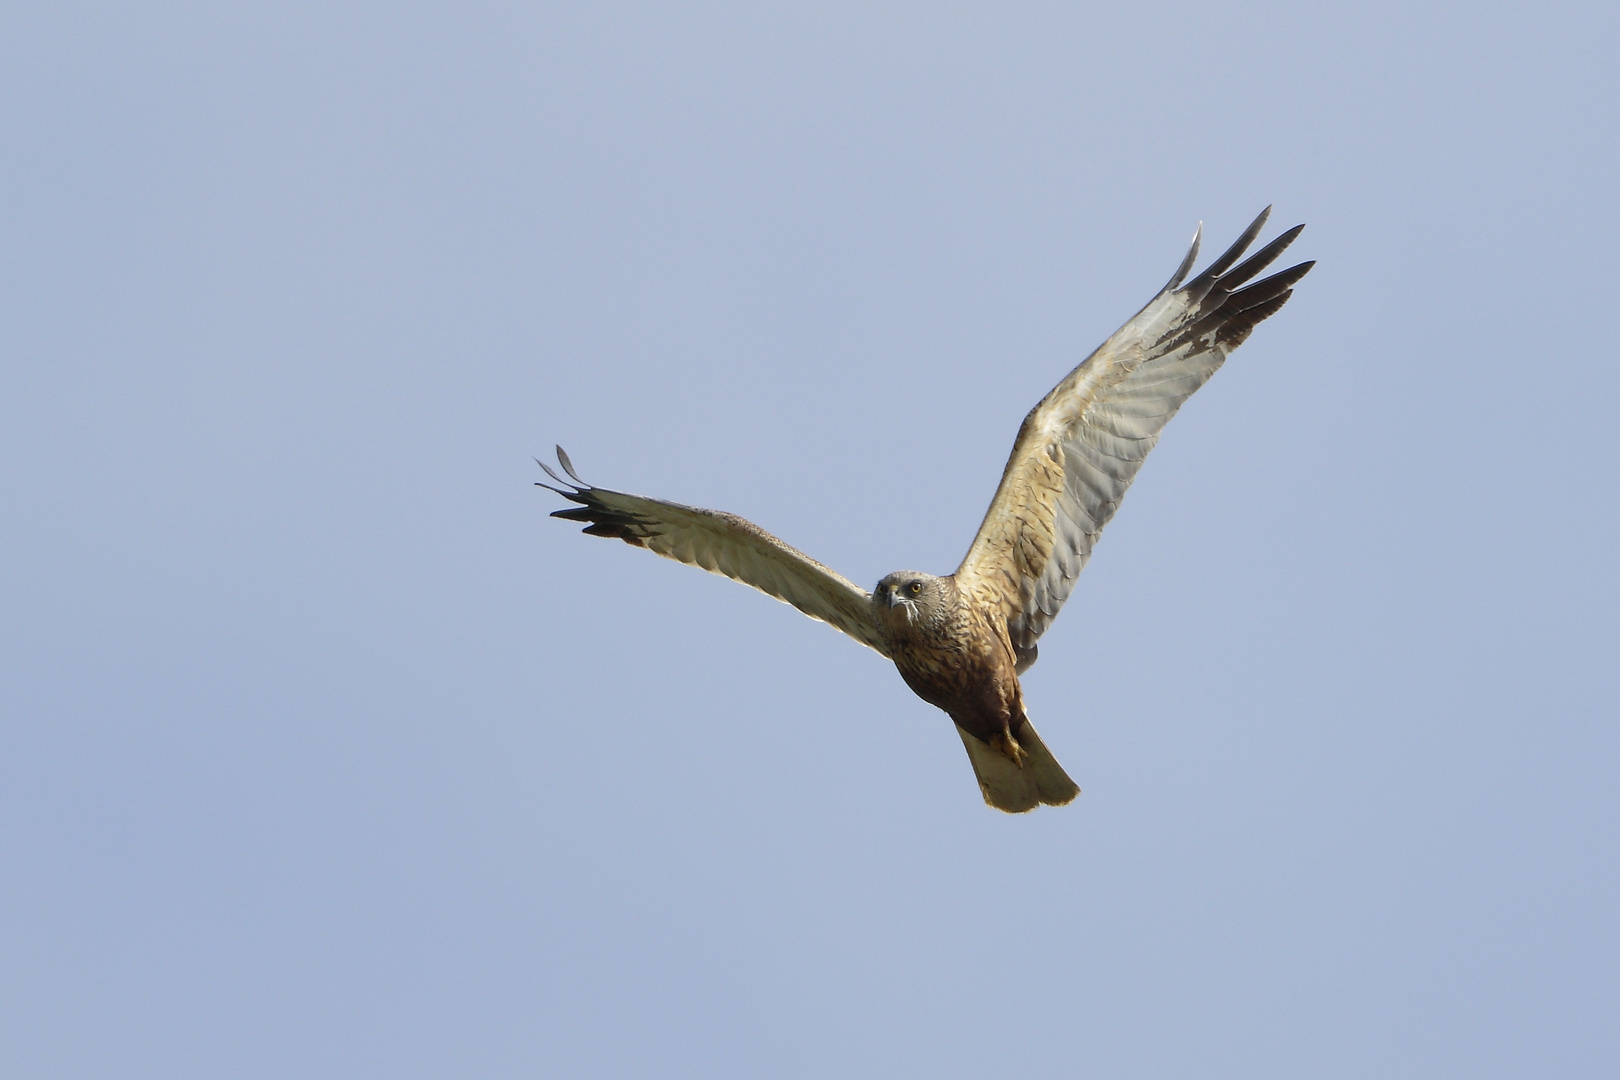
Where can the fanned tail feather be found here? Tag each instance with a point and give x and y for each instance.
(1017, 788)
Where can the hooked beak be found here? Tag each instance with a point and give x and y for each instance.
(892, 598)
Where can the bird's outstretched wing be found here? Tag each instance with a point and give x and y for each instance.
(1080, 448)
(721, 544)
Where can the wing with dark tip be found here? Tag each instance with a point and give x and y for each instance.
(1081, 447)
(721, 544)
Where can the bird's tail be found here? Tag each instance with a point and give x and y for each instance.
(1019, 786)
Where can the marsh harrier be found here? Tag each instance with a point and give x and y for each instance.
(962, 640)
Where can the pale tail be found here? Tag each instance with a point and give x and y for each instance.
(1017, 788)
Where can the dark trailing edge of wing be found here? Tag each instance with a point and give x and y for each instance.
(604, 521)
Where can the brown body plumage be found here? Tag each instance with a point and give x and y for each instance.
(957, 657)
(961, 641)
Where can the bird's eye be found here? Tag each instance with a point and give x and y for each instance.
(916, 587)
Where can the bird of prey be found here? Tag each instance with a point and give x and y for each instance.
(961, 641)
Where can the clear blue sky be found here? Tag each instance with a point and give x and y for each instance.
(325, 753)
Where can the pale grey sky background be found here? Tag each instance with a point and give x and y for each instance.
(325, 753)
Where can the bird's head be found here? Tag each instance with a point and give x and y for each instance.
(910, 598)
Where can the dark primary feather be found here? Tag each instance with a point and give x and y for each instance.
(1187, 263)
(1200, 285)
(600, 519)
(1230, 315)
(568, 466)
(1261, 259)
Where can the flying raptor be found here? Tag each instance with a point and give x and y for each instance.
(962, 640)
